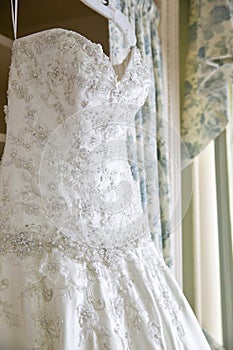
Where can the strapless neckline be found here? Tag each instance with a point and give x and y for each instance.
(129, 57)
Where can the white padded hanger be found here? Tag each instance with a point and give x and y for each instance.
(14, 16)
(116, 16)
(107, 11)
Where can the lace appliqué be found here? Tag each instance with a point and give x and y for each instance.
(49, 328)
(91, 327)
(10, 318)
(70, 213)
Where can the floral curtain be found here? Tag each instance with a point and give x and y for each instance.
(209, 71)
(209, 66)
(151, 159)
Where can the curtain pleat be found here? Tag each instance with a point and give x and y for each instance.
(209, 69)
(152, 156)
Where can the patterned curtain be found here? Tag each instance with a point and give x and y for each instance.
(151, 159)
(209, 66)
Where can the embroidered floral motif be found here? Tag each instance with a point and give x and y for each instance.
(91, 327)
(4, 283)
(64, 181)
(49, 328)
(35, 289)
(53, 267)
(10, 318)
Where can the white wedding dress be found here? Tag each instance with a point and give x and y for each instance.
(78, 269)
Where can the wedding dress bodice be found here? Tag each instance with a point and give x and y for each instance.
(71, 127)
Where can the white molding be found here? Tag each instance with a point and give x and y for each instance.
(225, 236)
(207, 305)
(170, 56)
(197, 241)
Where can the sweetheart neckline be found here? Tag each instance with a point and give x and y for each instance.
(130, 54)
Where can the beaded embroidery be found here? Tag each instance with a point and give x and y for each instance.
(70, 213)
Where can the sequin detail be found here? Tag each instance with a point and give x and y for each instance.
(74, 241)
